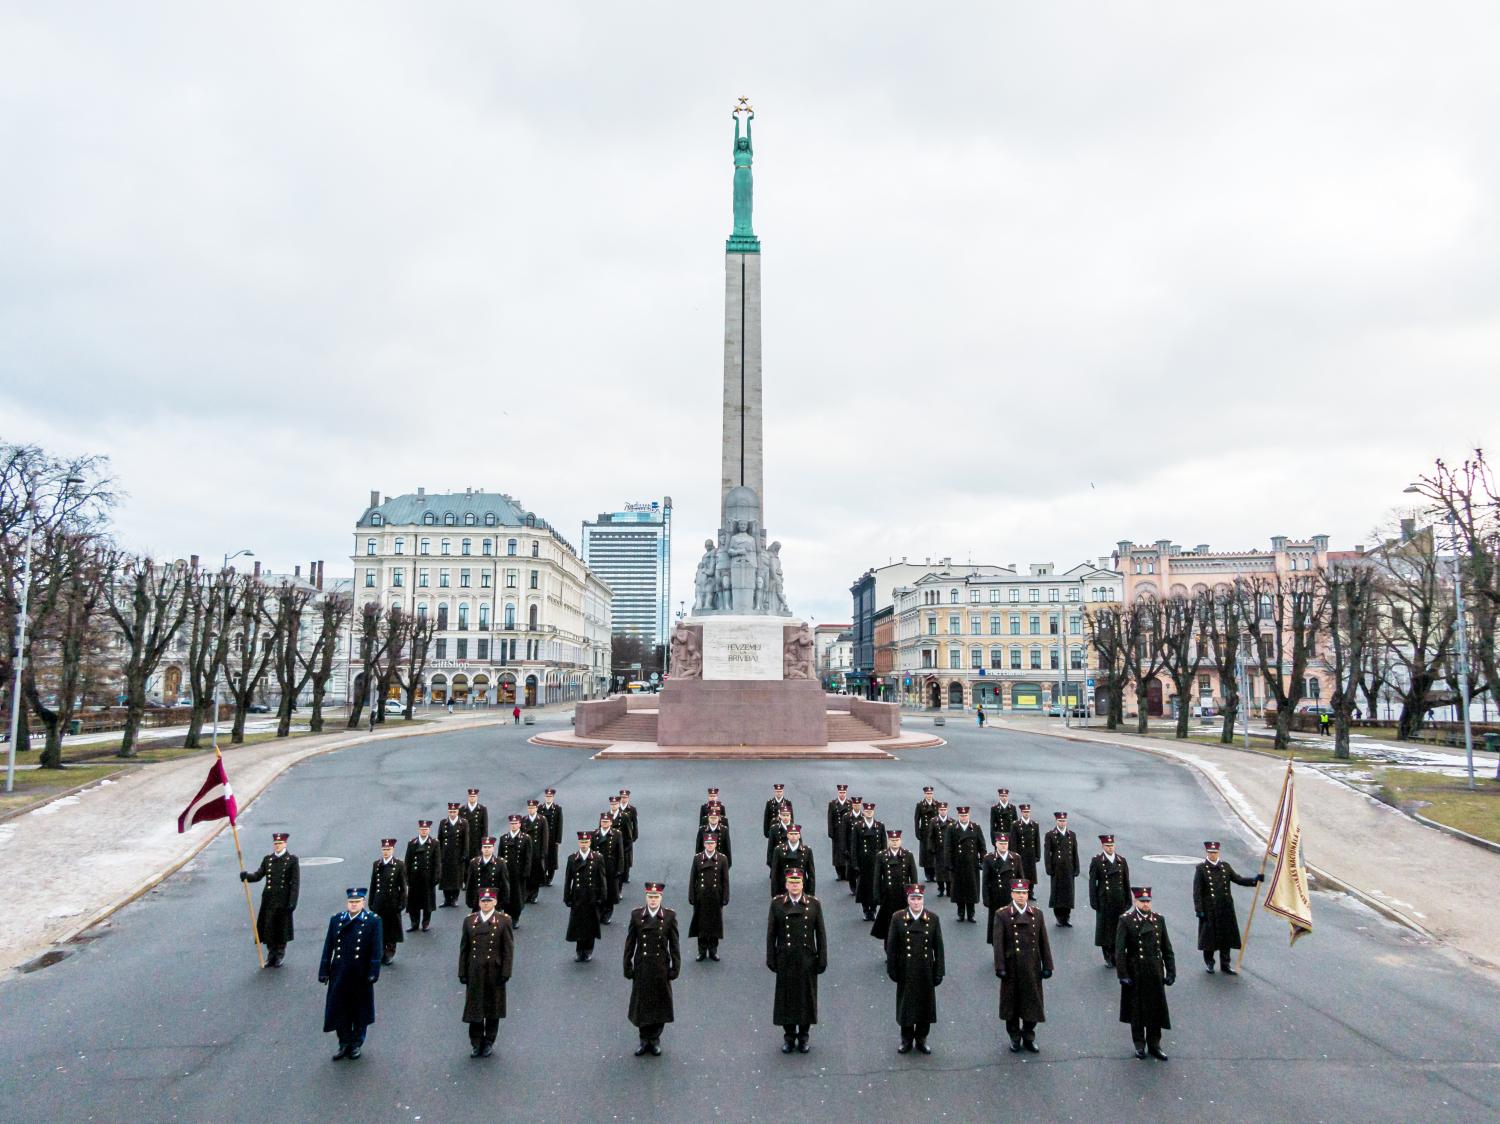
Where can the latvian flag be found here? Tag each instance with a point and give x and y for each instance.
(214, 801)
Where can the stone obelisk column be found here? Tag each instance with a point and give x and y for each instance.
(743, 451)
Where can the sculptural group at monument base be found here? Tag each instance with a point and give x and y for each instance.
(740, 573)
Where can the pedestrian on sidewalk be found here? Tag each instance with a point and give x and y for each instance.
(515, 714)
(486, 953)
(278, 901)
(1213, 902)
(350, 965)
(979, 714)
(450, 706)
(1325, 721)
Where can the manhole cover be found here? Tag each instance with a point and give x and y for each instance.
(1174, 860)
(320, 860)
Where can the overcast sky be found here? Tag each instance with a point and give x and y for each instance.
(1037, 277)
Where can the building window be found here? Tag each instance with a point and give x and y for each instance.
(994, 597)
(442, 649)
(994, 624)
(955, 659)
(463, 578)
(369, 579)
(443, 581)
(974, 596)
(445, 547)
(1033, 595)
(484, 649)
(953, 597)
(1035, 623)
(510, 546)
(1205, 685)
(429, 519)
(462, 644)
(1015, 595)
(442, 618)
(954, 627)
(1036, 659)
(448, 519)
(398, 577)
(466, 547)
(510, 578)
(489, 519)
(976, 658)
(470, 520)
(376, 519)
(1053, 660)
(535, 579)
(422, 572)
(487, 547)
(1053, 595)
(975, 625)
(932, 625)
(1075, 659)
(484, 579)
(1313, 688)
(1015, 659)
(484, 617)
(1075, 625)
(424, 546)
(997, 658)
(1054, 626)
(400, 545)
(369, 546)
(1074, 593)
(1015, 624)
(463, 618)
(422, 613)
(531, 614)
(510, 616)
(536, 548)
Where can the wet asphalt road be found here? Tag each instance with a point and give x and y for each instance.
(160, 1014)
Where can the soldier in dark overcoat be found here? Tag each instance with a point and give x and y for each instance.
(1109, 895)
(477, 820)
(1213, 902)
(797, 951)
(621, 829)
(1146, 968)
(895, 870)
(708, 804)
(926, 812)
(513, 850)
(838, 844)
(388, 895)
(423, 864)
(708, 894)
(534, 827)
(349, 966)
(1023, 959)
(586, 888)
(965, 850)
(610, 849)
(937, 843)
(1003, 814)
(553, 813)
(1060, 859)
(914, 962)
(793, 853)
(486, 953)
(777, 835)
(1002, 866)
(453, 842)
(485, 870)
(715, 824)
(278, 901)
(1026, 841)
(852, 819)
(868, 837)
(629, 825)
(652, 961)
(774, 807)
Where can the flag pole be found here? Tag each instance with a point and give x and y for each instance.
(1250, 920)
(234, 829)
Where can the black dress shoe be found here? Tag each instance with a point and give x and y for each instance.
(342, 1054)
(1015, 1045)
(1032, 1048)
(713, 954)
(643, 1049)
(353, 1053)
(1158, 1053)
(922, 1047)
(474, 1053)
(1209, 968)
(1228, 971)
(904, 1048)
(702, 955)
(425, 925)
(587, 956)
(1140, 1052)
(656, 1049)
(787, 1046)
(411, 929)
(487, 1050)
(802, 1046)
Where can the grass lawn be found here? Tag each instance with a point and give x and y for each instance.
(1447, 799)
(36, 786)
(1262, 746)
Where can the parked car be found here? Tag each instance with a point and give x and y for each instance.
(395, 706)
(1056, 711)
(1315, 709)
(185, 701)
(258, 708)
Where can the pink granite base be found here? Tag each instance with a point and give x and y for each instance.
(699, 712)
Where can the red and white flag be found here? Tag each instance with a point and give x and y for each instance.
(215, 800)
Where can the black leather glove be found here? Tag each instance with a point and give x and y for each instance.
(373, 977)
(1199, 916)
(244, 876)
(1125, 982)
(1170, 980)
(999, 975)
(1260, 876)
(322, 979)
(629, 972)
(1046, 973)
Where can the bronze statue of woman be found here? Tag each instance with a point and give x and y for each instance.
(743, 191)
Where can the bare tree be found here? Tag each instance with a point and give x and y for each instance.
(333, 615)
(213, 605)
(1223, 632)
(396, 629)
(1288, 611)
(1182, 649)
(1141, 645)
(374, 640)
(1106, 635)
(251, 649)
(420, 633)
(1415, 623)
(292, 671)
(147, 604)
(1353, 610)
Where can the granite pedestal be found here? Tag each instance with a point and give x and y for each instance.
(742, 712)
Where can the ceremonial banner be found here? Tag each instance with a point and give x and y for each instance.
(214, 801)
(1286, 891)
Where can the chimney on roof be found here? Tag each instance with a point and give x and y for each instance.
(374, 498)
(319, 582)
(257, 569)
(468, 491)
(193, 562)
(297, 570)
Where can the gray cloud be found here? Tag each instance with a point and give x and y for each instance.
(1037, 277)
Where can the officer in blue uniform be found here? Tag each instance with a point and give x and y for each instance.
(349, 967)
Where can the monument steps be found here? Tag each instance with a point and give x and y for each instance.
(846, 728)
(633, 727)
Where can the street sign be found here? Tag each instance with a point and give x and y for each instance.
(653, 677)
(1091, 682)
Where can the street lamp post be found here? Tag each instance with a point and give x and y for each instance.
(20, 632)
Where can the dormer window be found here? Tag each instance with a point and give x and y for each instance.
(489, 519)
(376, 519)
(449, 519)
(429, 518)
(470, 520)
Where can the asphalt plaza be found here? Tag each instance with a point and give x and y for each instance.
(162, 1015)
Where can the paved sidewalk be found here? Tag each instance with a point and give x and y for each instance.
(126, 829)
(1435, 882)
